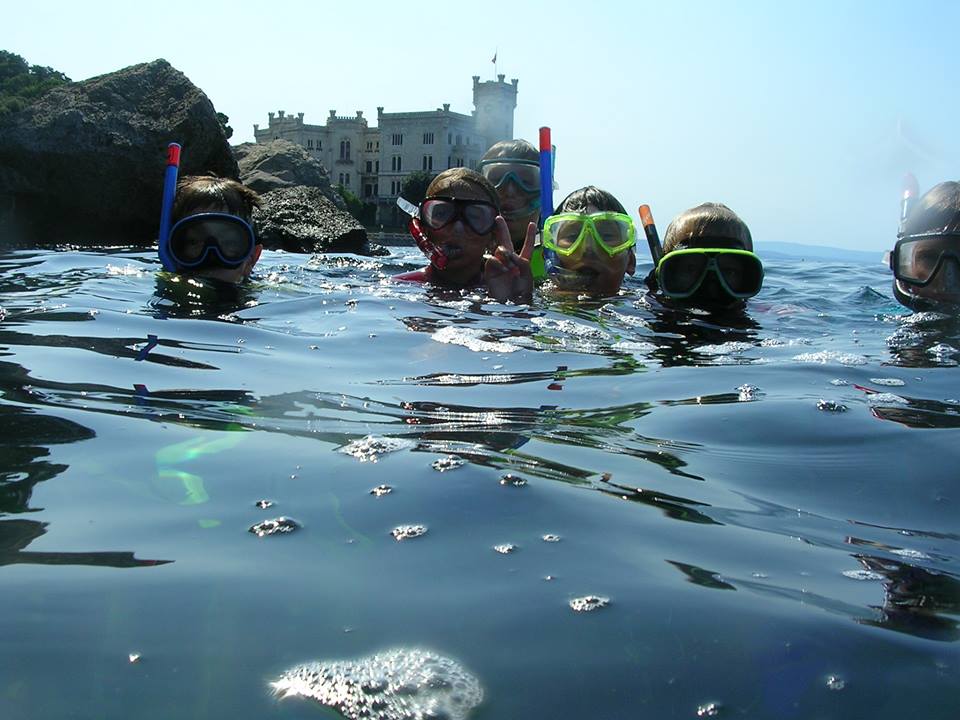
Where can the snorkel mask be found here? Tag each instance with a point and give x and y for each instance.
(211, 239)
(681, 273)
(437, 257)
(525, 176)
(610, 232)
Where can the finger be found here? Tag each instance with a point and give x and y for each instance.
(503, 232)
(527, 251)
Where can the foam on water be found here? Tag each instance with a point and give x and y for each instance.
(589, 603)
(274, 526)
(449, 462)
(472, 339)
(370, 448)
(397, 684)
(407, 532)
(831, 356)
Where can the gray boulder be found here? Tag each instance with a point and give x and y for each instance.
(282, 164)
(303, 219)
(85, 162)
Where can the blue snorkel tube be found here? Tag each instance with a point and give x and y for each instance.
(166, 205)
(546, 192)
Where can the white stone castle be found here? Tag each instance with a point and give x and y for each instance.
(372, 162)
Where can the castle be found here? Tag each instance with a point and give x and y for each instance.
(372, 162)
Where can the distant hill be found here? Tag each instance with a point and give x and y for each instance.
(775, 250)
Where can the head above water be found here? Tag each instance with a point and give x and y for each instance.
(709, 225)
(589, 268)
(929, 247)
(467, 204)
(513, 167)
(223, 241)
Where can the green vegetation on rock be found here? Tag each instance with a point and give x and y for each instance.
(21, 83)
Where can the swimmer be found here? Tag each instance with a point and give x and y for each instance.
(926, 259)
(513, 168)
(708, 261)
(590, 239)
(459, 225)
(211, 235)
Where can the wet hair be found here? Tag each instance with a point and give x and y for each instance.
(938, 209)
(199, 192)
(449, 182)
(514, 150)
(579, 200)
(709, 220)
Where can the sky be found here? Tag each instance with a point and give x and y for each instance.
(801, 116)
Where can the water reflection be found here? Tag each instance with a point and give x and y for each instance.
(16, 535)
(183, 296)
(924, 340)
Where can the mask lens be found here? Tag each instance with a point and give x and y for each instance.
(480, 217)
(564, 234)
(525, 176)
(681, 274)
(742, 273)
(438, 213)
(917, 259)
(616, 234)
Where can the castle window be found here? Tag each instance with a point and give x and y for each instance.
(376, 188)
(459, 140)
(309, 144)
(347, 181)
(369, 166)
(449, 138)
(370, 146)
(397, 139)
(376, 166)
(367, 190)
(428, 138)
(396, 163)
(428, 162)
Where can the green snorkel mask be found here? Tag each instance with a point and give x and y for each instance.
(611, 232)
(681, 273)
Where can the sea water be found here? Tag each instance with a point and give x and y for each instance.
(330, 493)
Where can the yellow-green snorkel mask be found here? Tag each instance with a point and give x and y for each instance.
(680, 273)
(611, 232)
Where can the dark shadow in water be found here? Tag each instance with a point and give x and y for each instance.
(184, 296)
(915, 600)
(673, 506)
(702, 577)
(23, 436)
(16, 535)
(921, 414)
(925, 341)
(680, 332)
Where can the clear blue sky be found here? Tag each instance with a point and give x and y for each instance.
(802, 116)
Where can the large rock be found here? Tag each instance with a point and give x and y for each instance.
(85, 161)
(303, 219)
(282, 164)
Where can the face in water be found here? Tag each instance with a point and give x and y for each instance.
(518, 187)
(213, 243)
(594, 250)
(710, 273)
(462, 225)
(927, 267)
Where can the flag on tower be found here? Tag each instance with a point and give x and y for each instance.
(494, 59)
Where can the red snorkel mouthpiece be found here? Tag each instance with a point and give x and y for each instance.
(436, 255)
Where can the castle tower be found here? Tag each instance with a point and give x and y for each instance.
(495, 102)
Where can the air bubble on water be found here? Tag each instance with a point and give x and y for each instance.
(550, 538)
(549, 578)
(381, 490)
(831, 356)
(886, 399)
(512, 480)
(134, 657)
(505, 548)
(274, 526)
(314, 347)
(839, 383)
(831, 406)
(448, 462)
(889, 382)
(747, 392)
(370, 448)
(759, 575)
(264, 504)
(407, 532)
(836, 683)
(397, 684)
(589, 603)
(912, 554)
(862, 575)
(709, 710)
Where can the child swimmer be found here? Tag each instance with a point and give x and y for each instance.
(708, 261)
(513, 168)
(211, 235)
(926, 259)
(589, 242)
(460, 225)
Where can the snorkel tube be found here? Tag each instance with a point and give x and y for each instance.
(910, 191)
(653, 237)
(546, 175)
(437, 257)
(166, 205)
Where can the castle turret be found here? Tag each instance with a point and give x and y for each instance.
(495, 102)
